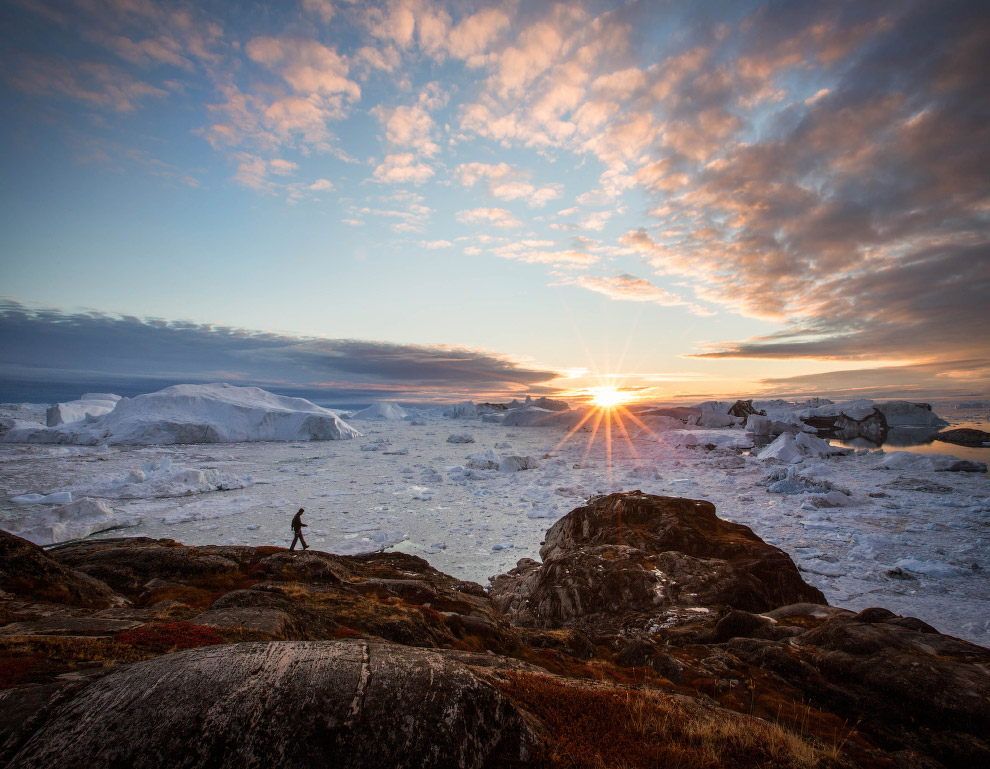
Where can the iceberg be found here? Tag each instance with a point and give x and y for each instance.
(210, 413)
(89, 405)
(381, 410)
(794, 448)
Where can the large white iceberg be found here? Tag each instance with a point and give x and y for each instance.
(210, 413)
(89, 405)
(381, 410)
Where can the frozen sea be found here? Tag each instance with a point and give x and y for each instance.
(915, 541)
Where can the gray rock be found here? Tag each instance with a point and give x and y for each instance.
(286, 705)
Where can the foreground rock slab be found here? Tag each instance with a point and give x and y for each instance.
(285, 704)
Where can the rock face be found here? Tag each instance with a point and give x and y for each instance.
(337, 704)
(28, 573)
(627, 557)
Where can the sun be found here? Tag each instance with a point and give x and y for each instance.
(608, 397)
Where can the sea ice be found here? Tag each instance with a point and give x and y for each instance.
(159, 478)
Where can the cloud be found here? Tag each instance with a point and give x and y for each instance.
(324, 10)
(408, 127)
(535, 253)
(402, 168)
(627, 288)
(496, 216)
(947, 378)
(96, 84)
(506, 182)
(433, 244)
(309, 67)
(101, 345)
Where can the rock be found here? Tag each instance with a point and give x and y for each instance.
(460, 438)
(744, 409)
(28, 573)
(127, 564)
(964, 436)
(285, 704)
(885, 670)
(742, 624)
(68, 625)
(638, 653)
(272, 622)
(627, 556)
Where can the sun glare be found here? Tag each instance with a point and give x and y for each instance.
(608, 397)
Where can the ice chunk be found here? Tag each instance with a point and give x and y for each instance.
(513, 463)
(935, 569)
(161, 479)
(906, 460)
(74, 521)
(487, 461)
(55, 498)
(788, 447)
(723, 439)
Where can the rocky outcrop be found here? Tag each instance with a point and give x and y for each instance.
(27, 573)
(286, 704)
(626, 558)
(256, 656)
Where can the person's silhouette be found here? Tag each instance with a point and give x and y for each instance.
(297, 527)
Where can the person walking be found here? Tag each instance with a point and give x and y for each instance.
(297, 527)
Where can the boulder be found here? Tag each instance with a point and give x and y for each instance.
(285, 704)
(627, 556)
(28, 573)
(745, 409)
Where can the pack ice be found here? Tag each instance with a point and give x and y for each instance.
(210, 413)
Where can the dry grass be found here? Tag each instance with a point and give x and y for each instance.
(36, 659)
(599, 727)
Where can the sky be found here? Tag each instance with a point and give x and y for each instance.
(428, 200)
